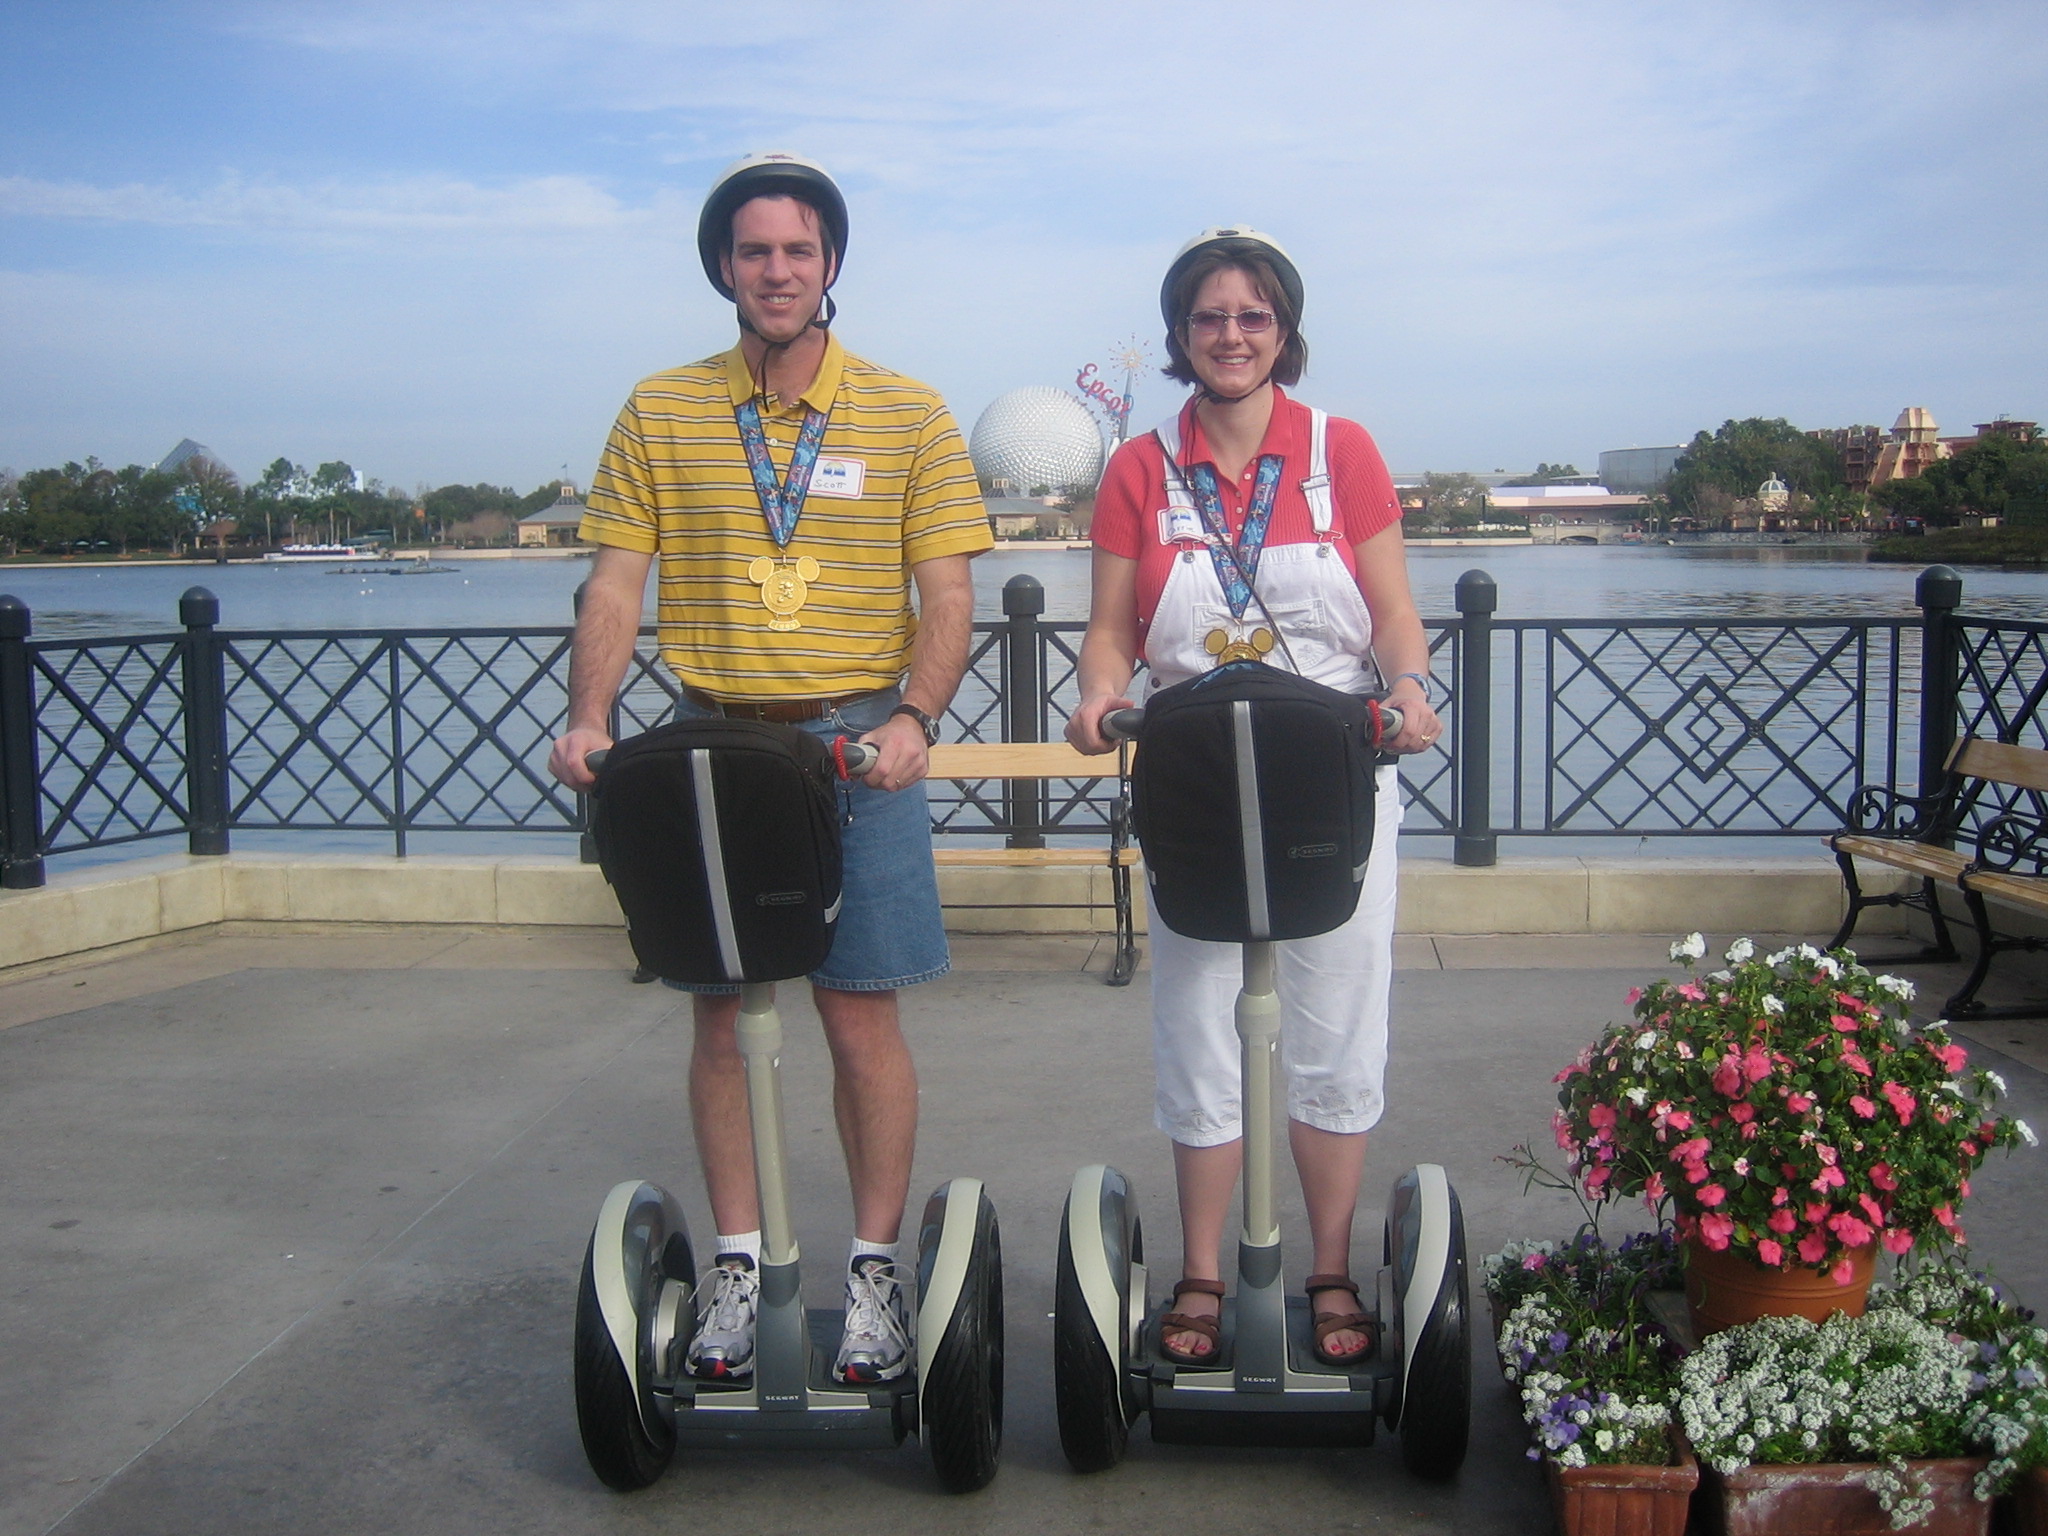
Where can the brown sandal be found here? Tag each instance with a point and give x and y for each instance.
(1327, 1323)
(1205, 1327)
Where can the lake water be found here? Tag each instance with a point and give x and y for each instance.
(1577, 582)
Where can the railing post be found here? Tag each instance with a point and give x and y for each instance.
(1476, 845)
(586, 845)
(206, 724)
(21, 850)
(1023, 706)
(1939, 592)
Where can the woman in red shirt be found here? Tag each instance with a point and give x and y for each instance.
(1315, 524)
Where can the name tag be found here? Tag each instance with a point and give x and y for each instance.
(838, 477)
(1177, 523)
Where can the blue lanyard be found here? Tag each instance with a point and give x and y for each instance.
(1237, 574)
(781, 504)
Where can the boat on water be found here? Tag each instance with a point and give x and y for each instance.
(300, 554)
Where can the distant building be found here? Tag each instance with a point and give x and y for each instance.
(1638, 471)
(1913, 445)
(1573, 514)
(1019, 517)
(2004, 426)
(1037, 439)
(189, 453)
(553, 526)
(1857, 450)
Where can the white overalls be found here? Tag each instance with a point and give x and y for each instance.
(1333, 988)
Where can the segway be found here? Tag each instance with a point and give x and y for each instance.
(1264, 1384)
(721, 839)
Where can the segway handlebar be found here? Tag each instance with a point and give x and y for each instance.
(1120, 724)
(860, 757)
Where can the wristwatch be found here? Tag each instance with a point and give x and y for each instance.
(925, 722)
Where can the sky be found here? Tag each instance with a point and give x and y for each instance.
(440, 240)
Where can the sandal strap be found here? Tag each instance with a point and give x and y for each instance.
(1316, 1283)
(1200, 1288)
(1339, 1322)
(1180, 1322)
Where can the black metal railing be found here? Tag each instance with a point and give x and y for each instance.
(1580, 728)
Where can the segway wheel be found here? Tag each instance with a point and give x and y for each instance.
(1426, 1246)
(960, 1335)
(1101, 1239)
(638, 1265)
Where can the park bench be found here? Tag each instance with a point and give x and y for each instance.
(973, 764)
(1990, 800)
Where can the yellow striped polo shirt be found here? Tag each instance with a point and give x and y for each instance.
(674, 482)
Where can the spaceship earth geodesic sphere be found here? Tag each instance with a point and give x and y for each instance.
(1037, 436)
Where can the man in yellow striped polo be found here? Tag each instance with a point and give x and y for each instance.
(790, 495)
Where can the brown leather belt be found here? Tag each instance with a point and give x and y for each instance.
(781, 711)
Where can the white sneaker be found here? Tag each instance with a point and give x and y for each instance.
(876, 1346)
(723, 1349)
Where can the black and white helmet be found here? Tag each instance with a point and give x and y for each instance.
(1232, 239)
(766, 175)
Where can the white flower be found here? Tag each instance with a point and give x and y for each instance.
(1779, 958)
(1689, 948)
(1827, 967)
(1898, 986)
(1636, 1095)
(1739, 951)
(2026, 1133)
(1808, 952)
(1994, 1080)
(1773, 1004)
(1742, 1167)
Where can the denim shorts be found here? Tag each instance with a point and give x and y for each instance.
(890, 933)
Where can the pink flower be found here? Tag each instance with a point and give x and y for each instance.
(1969, 1149)
(1881, 1176)
(1813, 1247)
(1635, 995)
(1855, 1061)
(1951, 1056)
(1799, 1103)
(1844, 1023)
(1897, 1240)
(1716, 1230)
(1710, 1194)
(1946, 1215)
(1830, 1178)
(1783, 1222)
(1817, 1212)
(1561, 1128)
(1756, 1064)
(1864, 1107)
(1692, 991)
(1684, 1050)
(1532, 1261)
(1843, 1272)
(1872, 1209)
(1653, 1187)
(1902, 1100)
(1688, 1151)
(1771, 1252)
(1695, 1171)
(1679, 1120)
(1963, 1189)
(1602, 1116)
(1780, 1197)
(1596, 1180)
(1728, 1076)
(1852, 1230)
(1742, 1111)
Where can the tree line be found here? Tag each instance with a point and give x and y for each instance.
(90, 508)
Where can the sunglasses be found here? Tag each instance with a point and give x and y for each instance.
(1210, 322)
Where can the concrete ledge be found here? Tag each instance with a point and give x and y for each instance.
(97, 909)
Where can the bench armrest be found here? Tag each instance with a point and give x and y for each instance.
(1878, 811)
(2009, 839)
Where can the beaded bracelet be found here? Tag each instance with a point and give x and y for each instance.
(1421, 681)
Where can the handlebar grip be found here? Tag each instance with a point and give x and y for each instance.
(1391, 721)
(1121, 723)
(860, 757)
(595, 761)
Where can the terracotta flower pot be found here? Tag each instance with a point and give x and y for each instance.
(2030, 1503)
(1623, 1500)
(1829, 1499)
(1726, 1288)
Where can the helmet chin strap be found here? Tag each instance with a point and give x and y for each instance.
(822, 321)
(1222, 399)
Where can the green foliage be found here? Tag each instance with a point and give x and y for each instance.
(1546, 473)
(1450, 501)
(1739, 456)
(87, 507)
(1994, 477)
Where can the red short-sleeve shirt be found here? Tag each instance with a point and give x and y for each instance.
(1130, 518)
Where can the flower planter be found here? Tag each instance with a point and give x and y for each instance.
(1623, 1500)
(1829, 1499)
(1727, 1288)
(2029, 1504)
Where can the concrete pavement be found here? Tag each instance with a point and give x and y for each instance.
(294, 1220)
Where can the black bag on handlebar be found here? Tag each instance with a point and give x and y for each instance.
(1252, 795)
(721, 839)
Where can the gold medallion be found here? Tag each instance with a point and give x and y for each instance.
(1226, 650)
(785, 587)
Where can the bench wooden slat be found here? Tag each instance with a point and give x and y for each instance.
(2001, 762)
(1017, 760)
(2029, 891)
(1920, 858)
(1017, 858)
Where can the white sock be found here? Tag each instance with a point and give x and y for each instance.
(863, 1249)
(748, 1243)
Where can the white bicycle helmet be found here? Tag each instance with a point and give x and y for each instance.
(776, 171)
(1234, 239)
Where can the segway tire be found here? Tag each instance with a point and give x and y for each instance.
(614, 1439)
(1089, 1383)
(961, 1395)
(1436, 1387)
